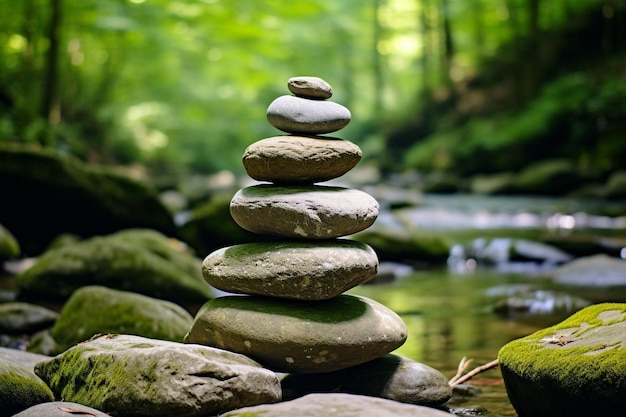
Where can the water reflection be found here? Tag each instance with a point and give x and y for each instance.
(450, 316)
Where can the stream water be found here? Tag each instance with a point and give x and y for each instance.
(451, 315)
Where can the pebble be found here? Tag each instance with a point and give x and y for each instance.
(300, 159)
(310, 87)
(293, 114)
(294, 270)
(299, 336)
(311, 212)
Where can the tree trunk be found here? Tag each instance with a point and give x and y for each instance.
(50, 103)
(448, 43)
(377, 61)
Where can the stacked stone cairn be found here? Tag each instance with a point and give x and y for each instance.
(295, 317)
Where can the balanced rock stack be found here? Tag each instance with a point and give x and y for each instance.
(296, 318)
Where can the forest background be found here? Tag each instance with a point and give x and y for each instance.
(452, 87)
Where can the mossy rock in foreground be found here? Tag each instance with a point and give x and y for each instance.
(575, 368)
(20, 388)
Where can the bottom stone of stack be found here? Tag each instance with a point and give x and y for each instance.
(299, 336)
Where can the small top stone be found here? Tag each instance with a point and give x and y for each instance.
(310, 87)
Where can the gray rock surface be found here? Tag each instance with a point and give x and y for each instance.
(300, 336)
(338, 405)
(20, 388)
(24, 359)
(310, 87)
(311, 212)
(296, 270)
(593, 271)
(94, 309)
(17, 317)
(130, 375)
(60, 409)
(293, 114)
(300, 159)
(391, 376)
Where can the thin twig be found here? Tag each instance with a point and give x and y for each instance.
(463, 365)
(456, 381)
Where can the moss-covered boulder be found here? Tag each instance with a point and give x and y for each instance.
(22, 358)
(575, 368)
(9, 247)
(46, 193)
(549, 177)
(127, 375)
(99, 310)
(616, 186)
(141, 261)
(405, 245)
(20, 388)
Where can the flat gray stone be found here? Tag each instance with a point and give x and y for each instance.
(296, 270)
(300, 336)
(391, 376)
(60, 409)
(310, 87)
(338, 405)
(293, 114)
(311, 212)
(127, 375)
(300, 159)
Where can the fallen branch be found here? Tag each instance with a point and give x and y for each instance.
(459, 378)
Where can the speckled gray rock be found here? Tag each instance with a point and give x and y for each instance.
(391, 376)
(311, 212)
(300, 336)
(293, 114)
(60, 409)
(127, 375)
(22, 358)
(300, 160)
(310, 87)
(17, 317)
(296, 270)
(338, 405)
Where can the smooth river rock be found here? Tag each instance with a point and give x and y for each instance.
(293, 114)
(300, 159)
(127, 375)
(296, 270)
(310, 212)
(310, 87)
(338, 405)
(391, 376)
(300, 336)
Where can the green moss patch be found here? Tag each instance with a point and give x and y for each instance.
(583, 355)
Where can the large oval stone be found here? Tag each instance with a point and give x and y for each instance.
(298, 159)
(293, 114)
(296, 270)
(311, 212)
(300, 336)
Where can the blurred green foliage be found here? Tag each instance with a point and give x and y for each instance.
(183, 86)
